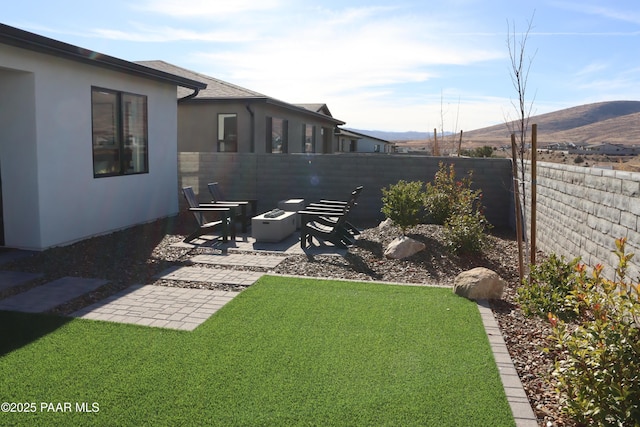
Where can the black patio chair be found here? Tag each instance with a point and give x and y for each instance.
(353, 198)
(315, 224)
(219, 197)
(223, 222)
(337, 207)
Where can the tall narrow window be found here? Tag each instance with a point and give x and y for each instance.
(119, 127)
(309, 138)
(228, 132)
(277, 135)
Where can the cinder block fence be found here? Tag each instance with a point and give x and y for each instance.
(273, 177)
(581, 211)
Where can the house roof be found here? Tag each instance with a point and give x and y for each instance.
(34, 42)
(317, 108)
(215, 88)
(221, 90)
(362, 135)
(344, 132)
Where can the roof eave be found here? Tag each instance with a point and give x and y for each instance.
(34, 42)
(305, 111)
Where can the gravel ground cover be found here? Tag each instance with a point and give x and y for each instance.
(136, 255)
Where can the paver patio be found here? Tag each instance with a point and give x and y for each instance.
(210, 275)
(238, 259)
(158, 306)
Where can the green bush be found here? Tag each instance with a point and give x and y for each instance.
(441, 195)
(465, 232)
(485, 151)
(598, 376)
(454, 204)
(402, 203)
(445, 196)
(550, 283)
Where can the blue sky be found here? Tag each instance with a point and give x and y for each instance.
(379, 65)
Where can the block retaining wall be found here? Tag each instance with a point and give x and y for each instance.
(581, 211)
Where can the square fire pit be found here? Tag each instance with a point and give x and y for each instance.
(273, 229)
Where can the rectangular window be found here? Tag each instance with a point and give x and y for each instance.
(119, 127)
(228, 132)
(309, 138)
(277, 135)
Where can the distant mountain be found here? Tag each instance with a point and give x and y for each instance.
(615, 122)
(394, 136)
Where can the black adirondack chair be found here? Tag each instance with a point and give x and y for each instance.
(315, 224)
(219, 197)
(331, 207)
(223, 222)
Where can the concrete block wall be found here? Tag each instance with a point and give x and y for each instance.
(581, 211)
(270, 178)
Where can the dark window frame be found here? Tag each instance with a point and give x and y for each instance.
(227, 144)
(311, 148)
(284, 143)
(123, 147)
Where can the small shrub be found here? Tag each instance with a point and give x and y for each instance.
(465, 232)
(550, 283)
(578, 159)
(454, 204)
(403, 203)
(446, 196)
(598, 376)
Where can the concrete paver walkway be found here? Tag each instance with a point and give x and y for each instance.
(11, 279)
(158, 306)
(238, 259)
(50, 295)
(210, 275)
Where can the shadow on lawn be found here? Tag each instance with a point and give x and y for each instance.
(123, 258)
(20, 329)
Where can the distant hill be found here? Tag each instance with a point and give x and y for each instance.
(615, 122)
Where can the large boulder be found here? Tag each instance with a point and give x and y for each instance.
(479, 283)
(403, 247)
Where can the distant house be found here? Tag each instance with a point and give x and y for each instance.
(228, 118)
(351, 141)
(87, 142)
(609, 149)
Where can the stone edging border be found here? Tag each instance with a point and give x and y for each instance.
(520, 407)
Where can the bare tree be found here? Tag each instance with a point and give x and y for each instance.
(520, 67)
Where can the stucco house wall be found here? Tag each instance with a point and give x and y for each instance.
(363, 143)
(198, 116)
(198, 126)
(49, 193)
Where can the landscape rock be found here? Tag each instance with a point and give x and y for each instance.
(403, 247)
(386, 223)
(479, 283)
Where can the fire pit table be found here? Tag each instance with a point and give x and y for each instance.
(273, 226)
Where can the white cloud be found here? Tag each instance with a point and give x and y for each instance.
(613, 13)
(326, 57)
(206, 8)
(592, 68)
(146, 33)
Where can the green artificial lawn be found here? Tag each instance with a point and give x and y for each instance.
(284, 352)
